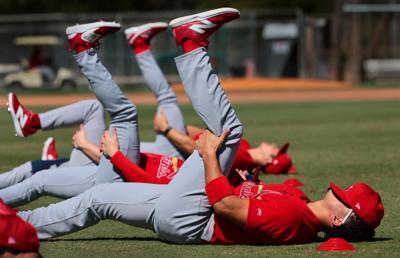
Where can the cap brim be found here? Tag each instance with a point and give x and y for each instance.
(292, 170)
(340, 194)
(283, 149)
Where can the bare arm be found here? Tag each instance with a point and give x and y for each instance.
(193, 130)
(180, 140)
(229, 207)
(80, 141)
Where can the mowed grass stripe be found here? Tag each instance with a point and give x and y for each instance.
(343, 142)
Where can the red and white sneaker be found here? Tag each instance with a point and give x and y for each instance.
(197, 28)
(139, 37)
(85, 36)
(49, 151)
(25, 122)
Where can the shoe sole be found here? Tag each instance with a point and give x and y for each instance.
(46, 146)
(201, 16)
(81, 28)
(17, 127)
(139, 29)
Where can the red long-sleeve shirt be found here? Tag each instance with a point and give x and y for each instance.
(153, 169)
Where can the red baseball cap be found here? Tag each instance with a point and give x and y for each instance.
(364, 201)
(17, 234)
(282, 163)
(294, 182)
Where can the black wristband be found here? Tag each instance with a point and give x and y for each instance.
(166, 131)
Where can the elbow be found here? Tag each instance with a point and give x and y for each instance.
(190, 147)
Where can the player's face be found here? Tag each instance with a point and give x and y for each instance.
(269, 151)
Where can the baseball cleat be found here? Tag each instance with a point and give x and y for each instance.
(141, 35)
(198, 27)
(22, 118)
(85, 36)
(49, 151)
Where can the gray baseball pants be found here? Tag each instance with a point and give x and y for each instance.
(178, 212)
(167, 102)
(66, 183)
(91, 114)
(87, 112)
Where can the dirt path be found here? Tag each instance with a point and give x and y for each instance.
(234, 96)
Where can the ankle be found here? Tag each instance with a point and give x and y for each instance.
(78, 45)
(35, 121)
(79, 49)
(140, 49)
(189, 45)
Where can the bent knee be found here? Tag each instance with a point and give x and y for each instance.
(96, 106)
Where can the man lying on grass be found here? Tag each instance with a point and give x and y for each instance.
(199, 205)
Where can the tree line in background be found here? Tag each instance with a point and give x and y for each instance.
(46, 6)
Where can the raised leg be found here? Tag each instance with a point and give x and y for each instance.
(167, 103)
(183, 214)
(122, 112)
(83, 39)
(187, 188)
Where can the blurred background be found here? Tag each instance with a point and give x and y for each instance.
(355, 41)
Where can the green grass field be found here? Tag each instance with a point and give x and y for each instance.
(341, 142)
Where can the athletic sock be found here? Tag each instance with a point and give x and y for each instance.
(189, 45)
(140, 48)
(35, 121)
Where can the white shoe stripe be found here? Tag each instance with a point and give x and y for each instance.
(14, 118)
(140, 29)
(45, 149)
(200, 27)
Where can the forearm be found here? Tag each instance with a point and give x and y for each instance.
(181, 141)
(220, 193)
(91, 150)
(130, 171)
(212, 168)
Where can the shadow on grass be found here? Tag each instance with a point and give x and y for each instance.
(318, 240)
(104, 239)
(380, 239)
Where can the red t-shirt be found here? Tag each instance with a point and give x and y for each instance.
(278, 214)
(153, 169)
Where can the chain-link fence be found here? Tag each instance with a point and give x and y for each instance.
(261, 43)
